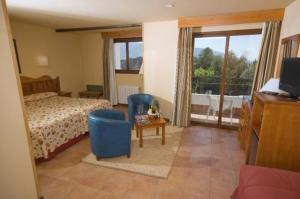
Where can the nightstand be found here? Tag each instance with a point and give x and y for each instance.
(65, 93)
(90, 94)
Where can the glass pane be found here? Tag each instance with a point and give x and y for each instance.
(207, 66)
(242, 59)
(120, 56)
(135, 55)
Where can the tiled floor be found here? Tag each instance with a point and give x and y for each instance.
(206, 167)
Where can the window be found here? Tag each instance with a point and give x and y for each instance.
(128, 55)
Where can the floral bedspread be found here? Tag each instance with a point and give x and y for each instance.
(55, 120)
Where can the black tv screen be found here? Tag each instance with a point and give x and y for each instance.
(290, 76)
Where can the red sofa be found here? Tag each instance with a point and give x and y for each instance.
(267, 183)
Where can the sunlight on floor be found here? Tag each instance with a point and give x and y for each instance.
(212, 119)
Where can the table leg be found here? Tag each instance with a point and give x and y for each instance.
(157, 130)
(137, 131)
(141, 137)
(163, 135)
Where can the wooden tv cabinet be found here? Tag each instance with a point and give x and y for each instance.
(272, 136)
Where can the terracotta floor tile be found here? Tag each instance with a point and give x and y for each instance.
(174, 193)
(44, 180)
(117, 183)
(187, 195)
(83, 146)
(103, 195)
(82, 173)
(206, 167)
(222, 175)
(220, 195)
(140, 188)
(199, 187)
(56, 190)
(80, 191)
(53, 168)
(221, 163)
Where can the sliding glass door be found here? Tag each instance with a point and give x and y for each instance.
(223, 70)
(241, 63)
(207, 68)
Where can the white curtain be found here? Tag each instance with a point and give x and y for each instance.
(112, 76)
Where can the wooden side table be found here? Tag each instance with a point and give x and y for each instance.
(65, 93)
(153, 123)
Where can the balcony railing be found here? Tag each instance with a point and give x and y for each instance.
(200, 106)
(233, 86)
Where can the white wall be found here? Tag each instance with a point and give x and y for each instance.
(17, 176)
(160, 52)
(291, 20)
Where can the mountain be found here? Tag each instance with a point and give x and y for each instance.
(198, 51)
(135, 50)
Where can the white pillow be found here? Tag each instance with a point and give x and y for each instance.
(39, 96)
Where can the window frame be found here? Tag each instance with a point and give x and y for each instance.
(127, 41)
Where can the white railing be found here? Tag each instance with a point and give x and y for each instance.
(202, 99)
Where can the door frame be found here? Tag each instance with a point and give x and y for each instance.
(227, 35)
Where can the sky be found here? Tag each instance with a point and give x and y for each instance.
(247, 45)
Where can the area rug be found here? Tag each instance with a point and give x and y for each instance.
(154, 159)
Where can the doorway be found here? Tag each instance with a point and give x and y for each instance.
(223, 69)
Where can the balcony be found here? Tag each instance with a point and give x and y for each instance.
(205, 107)
(201, 104)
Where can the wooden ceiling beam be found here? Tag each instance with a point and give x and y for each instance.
(98, 28)
(232, 18)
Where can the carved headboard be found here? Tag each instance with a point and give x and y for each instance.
(39, 85)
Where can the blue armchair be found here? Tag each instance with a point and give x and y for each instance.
(134, 101)
(110, 134)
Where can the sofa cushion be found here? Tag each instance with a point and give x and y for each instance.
(267, 183)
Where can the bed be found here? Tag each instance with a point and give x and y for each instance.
(55, 122)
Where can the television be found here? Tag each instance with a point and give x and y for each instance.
(290, 76)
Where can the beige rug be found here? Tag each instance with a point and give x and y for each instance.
(153, 159)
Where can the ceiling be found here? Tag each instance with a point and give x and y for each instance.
(84, 13)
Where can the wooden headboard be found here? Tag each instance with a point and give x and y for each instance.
(39, 85)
